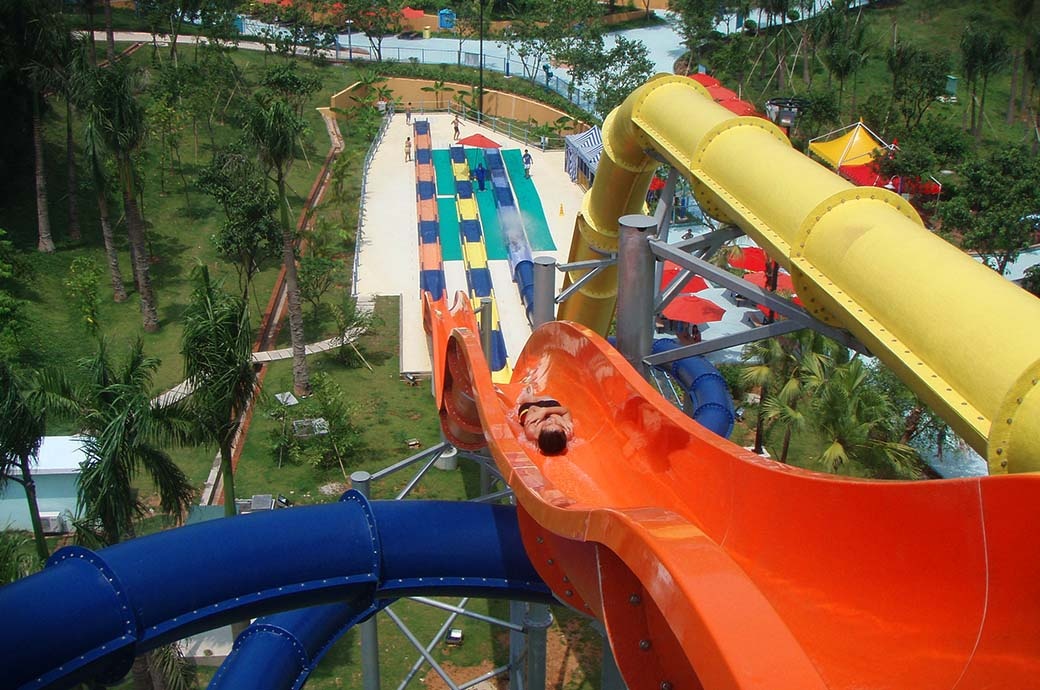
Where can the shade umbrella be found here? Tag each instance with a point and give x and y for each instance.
(783, 281)
(749, 259)
(656, 183)
(784, 286)
(480, 141)
(692, 284)
(693, 309)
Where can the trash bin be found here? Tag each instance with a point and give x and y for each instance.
(426, 32)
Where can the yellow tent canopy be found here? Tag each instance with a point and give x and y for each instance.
(856, 145)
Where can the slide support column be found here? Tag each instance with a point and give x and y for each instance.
(635, 297)
(544, 290)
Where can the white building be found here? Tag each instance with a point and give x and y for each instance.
(56, 474)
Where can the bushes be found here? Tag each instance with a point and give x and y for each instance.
(492, 80)
(319, 431)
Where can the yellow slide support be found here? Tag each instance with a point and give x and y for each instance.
(966, 340)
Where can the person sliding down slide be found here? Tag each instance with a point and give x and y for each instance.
(546, 422)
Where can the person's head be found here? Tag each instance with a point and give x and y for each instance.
(552, 441)
(548, 429)
(525, 152)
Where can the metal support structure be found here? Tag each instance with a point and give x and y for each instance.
(537, 621)
(433, 643)
(517, 645)
(421, 648)
(544, 309)
(468, 614)
(361, 482)
(796, 317)
(635, 297)
(484, 314)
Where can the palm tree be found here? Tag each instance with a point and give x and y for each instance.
(275, 130)
(84, 85)
(93, 149)
(122, 128)
(125, 434)
(765, 359)
(217, 349)
(855, 420)
(32, 32)
(21, 433)
(437, 88)
(804, 353)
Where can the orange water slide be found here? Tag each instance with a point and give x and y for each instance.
(712, 567)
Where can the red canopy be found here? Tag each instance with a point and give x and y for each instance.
(693, 309)
(704, 79)
(480, 141)
(869, 175)
(412, 13)
(749, 259)
(738, 107)
(656, 183)
(721, 93)
(670, 270)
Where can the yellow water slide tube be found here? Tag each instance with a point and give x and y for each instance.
(966, 340)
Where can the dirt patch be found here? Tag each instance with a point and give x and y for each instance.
(572, 650)
(433, 681)
(333, 489)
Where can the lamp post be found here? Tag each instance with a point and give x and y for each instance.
(349, 40)
(480, 95)
(508, 33)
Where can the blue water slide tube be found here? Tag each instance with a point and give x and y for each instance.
(87, 614)
(710, 401)
(280, 651)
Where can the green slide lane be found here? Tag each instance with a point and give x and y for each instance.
(494, 239)
(528, 202)
(451, 243)
(442, 169)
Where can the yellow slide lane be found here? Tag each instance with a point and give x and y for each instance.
(961, 336)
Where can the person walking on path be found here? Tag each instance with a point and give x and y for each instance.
(480, 173)
(527, 163)
(408, 113)
(407, 149)
(455, 124)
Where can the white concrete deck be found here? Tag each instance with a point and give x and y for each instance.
(388, 260)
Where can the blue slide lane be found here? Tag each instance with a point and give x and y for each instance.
(710, 400)
(89, 613)
(518, 247)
